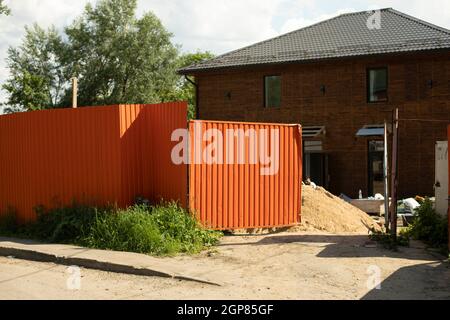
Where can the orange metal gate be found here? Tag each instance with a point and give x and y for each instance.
(231, 184)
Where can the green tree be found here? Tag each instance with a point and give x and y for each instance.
(185, 90)
(119, 58)
(4, 9)
(36, 76)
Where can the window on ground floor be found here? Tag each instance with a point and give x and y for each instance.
(272, 91)
(377, 85)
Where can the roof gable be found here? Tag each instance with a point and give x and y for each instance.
(346, 35)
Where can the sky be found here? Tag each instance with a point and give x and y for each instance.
(218, 26)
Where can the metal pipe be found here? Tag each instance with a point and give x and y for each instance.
(394, 176)
(197, 109)
(386, 179)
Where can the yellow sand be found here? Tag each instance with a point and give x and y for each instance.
(323, 211)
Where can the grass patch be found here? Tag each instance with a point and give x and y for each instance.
(161, 230)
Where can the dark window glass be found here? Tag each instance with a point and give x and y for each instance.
(272, 91)
(376, 168)
(377, 85)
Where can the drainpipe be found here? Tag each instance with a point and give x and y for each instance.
(197, 110)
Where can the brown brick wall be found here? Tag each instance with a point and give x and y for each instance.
(343, 110)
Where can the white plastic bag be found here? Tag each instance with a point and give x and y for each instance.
(411, 204)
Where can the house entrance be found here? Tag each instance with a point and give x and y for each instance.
(315, 167)
(375, 156)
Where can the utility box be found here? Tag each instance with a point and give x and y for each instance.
(441, 180)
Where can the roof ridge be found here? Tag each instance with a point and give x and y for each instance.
(266, 50)
(365, 11)
(420, 21)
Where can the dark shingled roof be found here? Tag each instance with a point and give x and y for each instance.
(346, 35)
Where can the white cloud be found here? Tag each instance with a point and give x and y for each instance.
(436, 11)
(300, 22)
(218, 25)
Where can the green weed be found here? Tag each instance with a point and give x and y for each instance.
(166, 229)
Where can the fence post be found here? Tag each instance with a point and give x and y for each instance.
(74, 92)
(394, 176)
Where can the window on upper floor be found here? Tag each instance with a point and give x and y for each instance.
(272, 91)
(377, 85)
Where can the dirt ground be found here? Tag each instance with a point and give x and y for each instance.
(301, 265)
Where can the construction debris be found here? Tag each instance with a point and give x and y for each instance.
(325, 212)
(308, 182)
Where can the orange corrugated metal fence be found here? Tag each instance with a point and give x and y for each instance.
(97, 155)
(111, 155)
(227, 187)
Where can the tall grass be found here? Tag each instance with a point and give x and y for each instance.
(166, 229)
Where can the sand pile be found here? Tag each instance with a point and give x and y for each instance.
(325, 212)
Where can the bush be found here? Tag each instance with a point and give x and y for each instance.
(182, 227)
(429, 227)
(166, 229)
(62, 225)
(129, 230)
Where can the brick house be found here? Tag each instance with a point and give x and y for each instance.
(337, 78)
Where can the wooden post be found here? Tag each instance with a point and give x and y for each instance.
(386, 178)
(394, 175)
(74, 92)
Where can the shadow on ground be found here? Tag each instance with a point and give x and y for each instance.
(340, 246)
(399, 286)
(20, 241)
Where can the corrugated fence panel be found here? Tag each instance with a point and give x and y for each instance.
(96, 155)
(169, 181)
(131, 118)
(54, 157)
(228, 188)
(147, 168)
